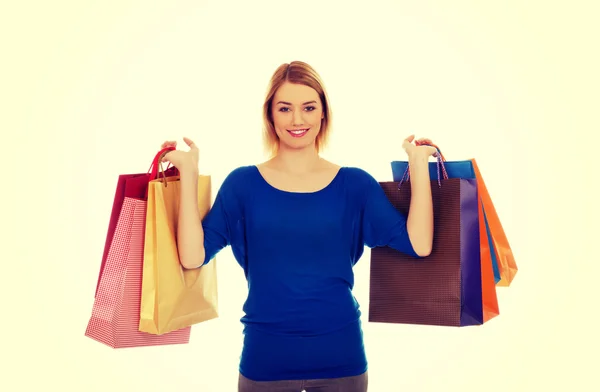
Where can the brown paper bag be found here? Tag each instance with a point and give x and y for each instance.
(173, 297)
(451, 286)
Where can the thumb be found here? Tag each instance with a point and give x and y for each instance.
(190, 143)
(166, 156)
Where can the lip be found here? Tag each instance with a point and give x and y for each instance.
(290, 131)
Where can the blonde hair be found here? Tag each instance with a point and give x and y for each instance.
(296, 72)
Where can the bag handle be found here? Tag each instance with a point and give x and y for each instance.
(156, 162)
(153, 171)
(439, 152)
(440, 159)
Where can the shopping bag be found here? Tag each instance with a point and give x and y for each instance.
(133, 186)
(173, 297)
(498, 239)
(451, 286)
(115, 313)
(495, 247)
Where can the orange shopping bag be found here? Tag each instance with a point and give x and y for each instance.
(501, 250)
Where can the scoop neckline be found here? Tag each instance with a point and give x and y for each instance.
(325, 188)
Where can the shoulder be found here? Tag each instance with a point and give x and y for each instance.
(239, 176)
(238, 179)
(241, 173)
(359, 184)
(357, 177)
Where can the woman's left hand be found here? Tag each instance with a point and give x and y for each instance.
(419, 148)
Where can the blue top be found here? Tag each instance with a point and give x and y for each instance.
(297, 251)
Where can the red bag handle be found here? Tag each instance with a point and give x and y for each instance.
(156, 162)
(153, 170)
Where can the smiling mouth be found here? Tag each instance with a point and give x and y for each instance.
(298, 132)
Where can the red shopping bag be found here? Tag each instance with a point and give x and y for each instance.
(116, 310)
(134, 186)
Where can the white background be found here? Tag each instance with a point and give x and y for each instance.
(91, 90)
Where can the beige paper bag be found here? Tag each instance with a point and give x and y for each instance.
(173, 297)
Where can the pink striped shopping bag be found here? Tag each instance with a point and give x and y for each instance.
(116, 310)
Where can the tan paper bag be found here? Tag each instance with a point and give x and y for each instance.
(173, 297)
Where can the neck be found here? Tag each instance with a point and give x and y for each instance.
(297, 161)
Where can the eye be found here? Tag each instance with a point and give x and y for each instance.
(310, 108)
(283, 109)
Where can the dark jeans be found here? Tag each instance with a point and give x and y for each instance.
(345, 384)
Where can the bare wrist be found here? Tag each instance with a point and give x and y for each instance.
(418, 159)
(189, 168)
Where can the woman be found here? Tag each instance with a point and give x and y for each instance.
(297, 224)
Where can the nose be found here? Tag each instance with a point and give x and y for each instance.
(297, 118)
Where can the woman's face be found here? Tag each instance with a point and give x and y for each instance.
(297, 113)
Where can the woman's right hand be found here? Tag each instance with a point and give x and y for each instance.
(182, 160)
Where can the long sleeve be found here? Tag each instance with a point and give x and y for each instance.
(217, 234)
(224, 224)
(382, 223)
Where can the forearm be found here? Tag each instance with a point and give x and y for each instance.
(420, 215)
(190, 235)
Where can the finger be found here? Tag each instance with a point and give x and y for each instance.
(169, 143)
(189, 142)
(406, 143)
(423, 142)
